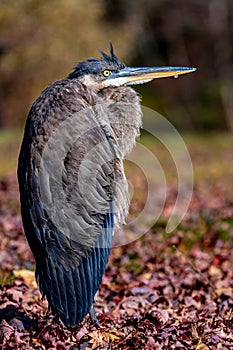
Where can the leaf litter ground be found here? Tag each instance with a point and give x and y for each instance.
(160, 292)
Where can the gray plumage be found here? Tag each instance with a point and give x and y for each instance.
(71, 177)
(69, 267)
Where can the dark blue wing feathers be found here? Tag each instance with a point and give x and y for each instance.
(68, 273)
(71, 292)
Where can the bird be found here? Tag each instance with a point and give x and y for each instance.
(73, 189)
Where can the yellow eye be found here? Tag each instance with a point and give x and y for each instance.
(106, 73)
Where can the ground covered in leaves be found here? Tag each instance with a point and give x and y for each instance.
(160, 292)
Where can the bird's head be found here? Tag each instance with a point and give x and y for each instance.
(108, 71)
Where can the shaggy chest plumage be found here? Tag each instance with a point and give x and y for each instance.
(73, 188)
(71, 177)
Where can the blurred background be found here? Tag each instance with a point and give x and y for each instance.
(41, 41)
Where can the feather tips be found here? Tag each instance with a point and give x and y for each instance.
(70, 292)
(70, 263)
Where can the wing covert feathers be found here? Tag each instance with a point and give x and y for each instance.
(68, 168)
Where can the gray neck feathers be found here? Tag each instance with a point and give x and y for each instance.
(122, 121)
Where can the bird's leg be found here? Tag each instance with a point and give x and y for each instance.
(93, 316)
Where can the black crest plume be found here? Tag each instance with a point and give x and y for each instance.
(112, 58)
(95, 65)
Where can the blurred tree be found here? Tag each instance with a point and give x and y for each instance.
(40, 41)
(222, 42)
(43, 40)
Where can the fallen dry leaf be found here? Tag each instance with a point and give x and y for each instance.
(162, 292)
(27, 275)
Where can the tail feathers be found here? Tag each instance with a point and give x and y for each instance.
(70, 288)
(70, 293)
(58, 286)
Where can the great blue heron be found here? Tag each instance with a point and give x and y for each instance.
(71, 176)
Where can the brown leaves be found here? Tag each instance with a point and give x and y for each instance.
(27, 275)
(160, 292)
(101, 338)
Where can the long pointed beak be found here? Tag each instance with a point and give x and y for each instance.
(140, 75)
